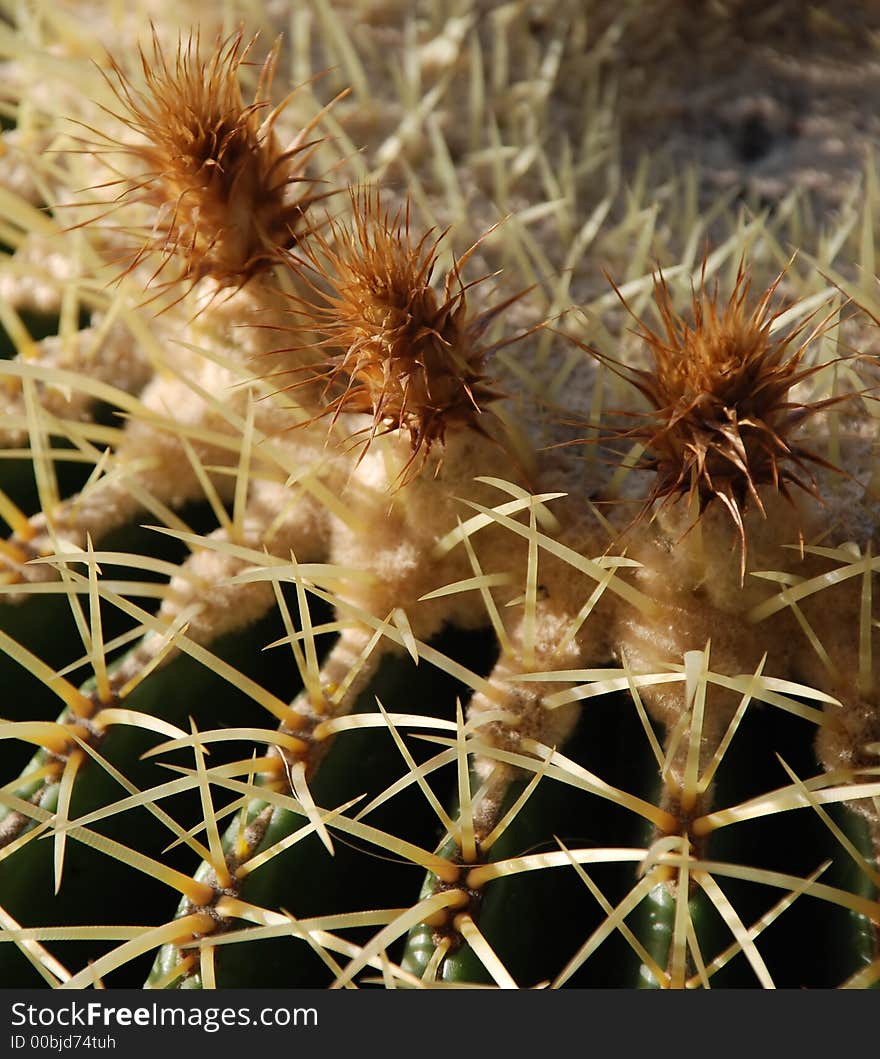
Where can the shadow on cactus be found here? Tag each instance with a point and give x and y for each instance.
(371, 674)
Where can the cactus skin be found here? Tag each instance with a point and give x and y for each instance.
(605, 749)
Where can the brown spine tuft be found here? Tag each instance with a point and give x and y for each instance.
(399, 349)
(227, 197)
(721, 423)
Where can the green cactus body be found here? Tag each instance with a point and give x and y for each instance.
(388, 599)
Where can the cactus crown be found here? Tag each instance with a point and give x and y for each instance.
(210, 165)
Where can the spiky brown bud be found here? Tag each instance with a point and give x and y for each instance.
(721, 422)
(226, 196)
(400, 350)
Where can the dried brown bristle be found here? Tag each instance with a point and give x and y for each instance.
(399, 350)
(721, 423)
(227, 196)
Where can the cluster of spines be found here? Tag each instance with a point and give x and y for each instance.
(402, 352)
(721, 423)
(225, 197)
